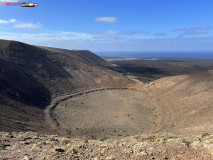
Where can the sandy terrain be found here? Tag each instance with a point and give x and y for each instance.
(176, 104)
(107, 113)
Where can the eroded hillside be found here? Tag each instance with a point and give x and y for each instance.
(31, 76)
(105, 114)
(177, 104)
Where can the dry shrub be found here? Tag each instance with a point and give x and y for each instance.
(85, 140)
(187, 143)
(205, 134)
(65, 141)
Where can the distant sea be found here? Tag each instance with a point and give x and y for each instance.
(208, 55)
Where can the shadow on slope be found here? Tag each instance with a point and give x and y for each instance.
(30, 77)
(19, 86)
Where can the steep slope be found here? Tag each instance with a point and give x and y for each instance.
(85, 55)
(31, 76)
(185, 102)
(176, 104)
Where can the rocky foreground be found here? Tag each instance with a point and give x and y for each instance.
(34, 146)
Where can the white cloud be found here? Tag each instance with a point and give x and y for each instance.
(203, 29)
(100, 41)
(104, 33)
(7, 21)
(106, 19)
(27, 25)
(19, 24)
(12, 20)
(137, 32)
(3, 21)
(74, 35)
(111, 32)
(60, 36)
(160, 34)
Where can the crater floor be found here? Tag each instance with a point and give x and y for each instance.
(176, 104)
(107, 113)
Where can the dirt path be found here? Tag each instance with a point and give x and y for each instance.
(49, 111)
(139, 86)
(176, 104)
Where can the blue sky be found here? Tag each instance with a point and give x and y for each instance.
(112, 25)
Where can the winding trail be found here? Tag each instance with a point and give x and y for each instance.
(163, 114)
(49, 111)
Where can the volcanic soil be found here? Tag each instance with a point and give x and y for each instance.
(176, 104)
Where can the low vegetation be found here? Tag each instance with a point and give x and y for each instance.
(34, 146)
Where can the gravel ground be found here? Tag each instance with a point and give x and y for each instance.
(33, 146)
